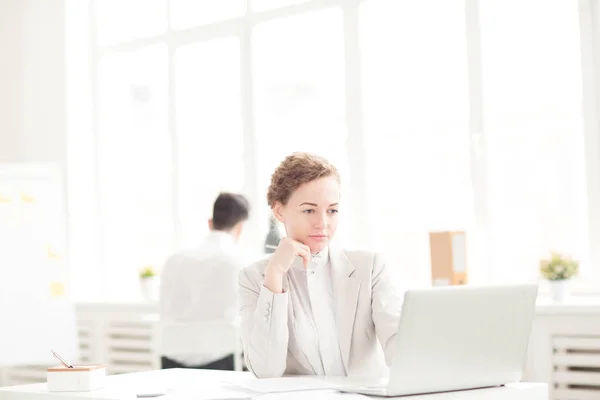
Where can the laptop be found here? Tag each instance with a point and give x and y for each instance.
(459, 337)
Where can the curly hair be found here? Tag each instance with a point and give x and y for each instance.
(295, 170)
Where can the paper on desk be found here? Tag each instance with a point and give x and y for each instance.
(314, 395)
(207, 394)
(285, 384)
(222, 394)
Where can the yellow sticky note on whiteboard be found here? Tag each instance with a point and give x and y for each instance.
(25, 198)
(57, 289)
(52, 254)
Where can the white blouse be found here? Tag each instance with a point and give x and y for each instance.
(311, 293)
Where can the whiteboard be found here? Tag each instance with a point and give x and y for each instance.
(36, 312)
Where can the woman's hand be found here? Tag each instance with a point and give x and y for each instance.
(281, 261)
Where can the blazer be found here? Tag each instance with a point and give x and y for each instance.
(367, 309)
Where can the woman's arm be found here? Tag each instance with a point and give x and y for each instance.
(386, 306)
(264, 328)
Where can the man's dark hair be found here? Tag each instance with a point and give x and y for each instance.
(228, 210)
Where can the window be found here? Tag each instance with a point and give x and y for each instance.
(119, 21)
(416, 110)
(299, 93)
(209, 130)
(195, 97)
(262, 5)
(134, 169)
(83, 232)
(537, 199)
(191, 13)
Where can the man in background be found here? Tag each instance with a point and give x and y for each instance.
(200, 285)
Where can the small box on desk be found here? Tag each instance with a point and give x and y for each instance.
(80, 378)
(448, 258)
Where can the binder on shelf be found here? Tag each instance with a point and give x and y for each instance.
(448, 258)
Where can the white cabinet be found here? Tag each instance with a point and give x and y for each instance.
(564, 348)
(121, 336)
(564, 351)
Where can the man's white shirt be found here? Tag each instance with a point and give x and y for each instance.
(201, 285)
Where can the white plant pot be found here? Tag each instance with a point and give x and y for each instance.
(149, 288)
(558, 290)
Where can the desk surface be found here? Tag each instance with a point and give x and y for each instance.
(201, 384)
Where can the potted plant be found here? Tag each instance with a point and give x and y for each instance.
(558, 269)
(149, 283)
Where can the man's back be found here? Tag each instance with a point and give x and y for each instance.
(200, 285)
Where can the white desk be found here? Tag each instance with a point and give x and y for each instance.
(189, 384)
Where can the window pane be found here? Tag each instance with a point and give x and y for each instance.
(134, 165)
(299, 93)
(532, 103)
(190, 13)
(81, 161)
(262, 5)
(416, 126)
(123, 20)
(209, 130)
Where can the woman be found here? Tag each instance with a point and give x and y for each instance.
(311, 308)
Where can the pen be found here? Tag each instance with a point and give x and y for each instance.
(62, 360)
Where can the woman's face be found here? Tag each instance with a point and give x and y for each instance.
(311, 213)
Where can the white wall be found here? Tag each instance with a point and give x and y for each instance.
(32, 81)
(590, 57)
(11, 79)
(33, 92)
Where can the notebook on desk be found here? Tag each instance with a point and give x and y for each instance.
(460, 337)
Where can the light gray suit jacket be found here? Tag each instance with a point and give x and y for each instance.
(367, 309)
